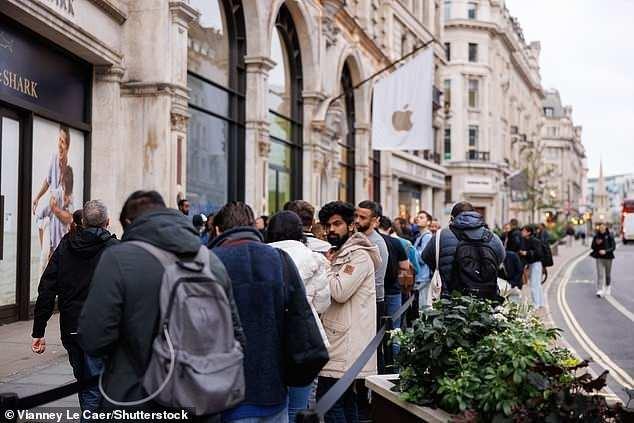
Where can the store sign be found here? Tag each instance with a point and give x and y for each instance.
(478, 185)
(36, 75)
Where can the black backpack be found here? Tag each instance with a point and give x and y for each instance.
(475, 269)
(547, 254)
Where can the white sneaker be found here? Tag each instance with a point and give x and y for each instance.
(608, 290)
(600, 293)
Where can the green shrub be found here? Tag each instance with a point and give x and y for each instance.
(494, 364)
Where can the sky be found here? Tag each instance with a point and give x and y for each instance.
(588, 55)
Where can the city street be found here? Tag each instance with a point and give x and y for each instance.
(599, 328)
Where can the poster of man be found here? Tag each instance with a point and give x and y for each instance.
(58, 168)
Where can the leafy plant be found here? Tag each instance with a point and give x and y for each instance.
(489, 363)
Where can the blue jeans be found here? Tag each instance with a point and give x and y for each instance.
(298, 400)
(423, 293)
(84, 367)
(345, 409)
(535, 277)
(392, 303)
(281, 417)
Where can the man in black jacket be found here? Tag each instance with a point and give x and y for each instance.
(67, 277)
(120, 318)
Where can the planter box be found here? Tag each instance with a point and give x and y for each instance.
(387, 406)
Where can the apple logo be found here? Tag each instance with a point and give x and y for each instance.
(402, 119)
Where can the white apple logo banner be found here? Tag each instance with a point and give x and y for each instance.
(402, 106)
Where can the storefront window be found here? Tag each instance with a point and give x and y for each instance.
(9, 156)
(217, 80)
(57, 188)
(285, 114)
(347, 143)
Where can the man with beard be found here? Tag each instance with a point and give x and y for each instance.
(349, 320)
(366, 220)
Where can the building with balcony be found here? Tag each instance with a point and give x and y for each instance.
(563, 156)
(492, 103)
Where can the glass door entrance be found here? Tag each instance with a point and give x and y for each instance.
(9, 164)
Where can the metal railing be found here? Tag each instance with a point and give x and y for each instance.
(479, 156)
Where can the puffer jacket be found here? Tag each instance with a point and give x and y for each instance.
(313, 269)
(350, 321)
(472, 226)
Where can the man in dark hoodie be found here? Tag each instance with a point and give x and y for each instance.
(120, 318)
(467, 224)
(67, 277)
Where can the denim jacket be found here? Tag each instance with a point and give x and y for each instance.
(424, 275)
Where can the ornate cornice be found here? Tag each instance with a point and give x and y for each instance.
(259, 64)
(115, 9)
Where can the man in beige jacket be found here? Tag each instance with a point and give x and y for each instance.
(350, 321)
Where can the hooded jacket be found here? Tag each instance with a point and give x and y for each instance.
(471, 225)
(119, 320)
(67, 277)
(262, 296)
(350, 321)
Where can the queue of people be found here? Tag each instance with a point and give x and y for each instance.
(262, 316)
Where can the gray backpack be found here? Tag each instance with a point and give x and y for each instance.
(196, 362)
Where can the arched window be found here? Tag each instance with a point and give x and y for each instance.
(347, 143)
(217, 79)
(285, 114)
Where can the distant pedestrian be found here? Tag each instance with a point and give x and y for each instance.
(511, 236)
(286, 232)
(200, 222)
(274, 312)
(306, 213)
(68, 277)
(423, 277)
(350, 320)
(261, 224)
(183, 206)
(405, 229)
(531, 254)
(542, 234)
(366, 220)
(570, 234)
(434, 226)
(603, 246)
(121, 320)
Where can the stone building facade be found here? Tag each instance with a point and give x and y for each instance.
(563, 155)
(493, 103)
(296, 127)
(215, 100)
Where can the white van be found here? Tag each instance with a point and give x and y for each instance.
(628, 227)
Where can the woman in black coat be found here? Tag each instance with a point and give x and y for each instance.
(603, 246)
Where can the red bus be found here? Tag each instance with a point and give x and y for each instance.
(627, 220)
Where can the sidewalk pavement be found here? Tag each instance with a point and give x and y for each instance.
(26, 373)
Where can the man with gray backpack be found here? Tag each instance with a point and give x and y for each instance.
(161, 312)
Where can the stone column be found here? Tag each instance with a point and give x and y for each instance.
(107, 141)
(362, 162)
(427, 199)
(311, 141)
(257, 143)
(181, 14)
